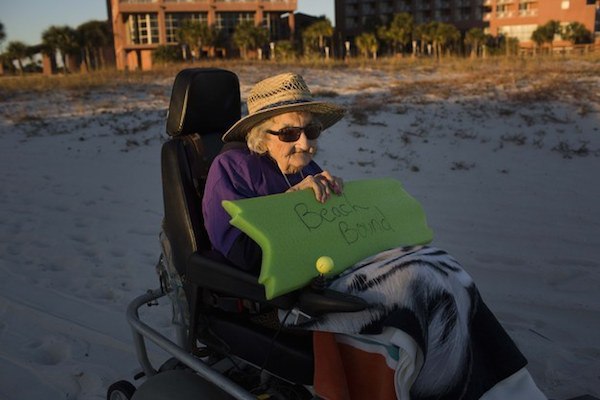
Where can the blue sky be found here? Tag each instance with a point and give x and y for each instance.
(25, 20)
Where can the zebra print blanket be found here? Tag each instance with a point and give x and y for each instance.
(426, 294)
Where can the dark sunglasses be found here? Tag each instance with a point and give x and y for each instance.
(292, 133)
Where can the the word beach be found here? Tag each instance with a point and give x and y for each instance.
(354, 221)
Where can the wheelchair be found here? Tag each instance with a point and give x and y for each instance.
(222, 350)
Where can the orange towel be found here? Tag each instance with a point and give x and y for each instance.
(343, 372)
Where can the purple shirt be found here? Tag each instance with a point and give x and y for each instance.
(239, 174)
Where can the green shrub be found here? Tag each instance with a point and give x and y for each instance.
(167, 54)
(284, 51)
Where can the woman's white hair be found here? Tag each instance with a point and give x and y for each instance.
(255, 139)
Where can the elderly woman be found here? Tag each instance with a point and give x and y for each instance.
(426, 333)
(281, 133)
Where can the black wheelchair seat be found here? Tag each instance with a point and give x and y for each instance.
(204, 104)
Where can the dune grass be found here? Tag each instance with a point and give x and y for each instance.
(479, 74)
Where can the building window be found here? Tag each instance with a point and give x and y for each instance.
(352, 10)
(526, 9)
(465, 13)
(521, 32)
(351, 22)
(142, 28)
(227, 21)
(565, 4)
(173, 22)
(277, 26)
(369, 9)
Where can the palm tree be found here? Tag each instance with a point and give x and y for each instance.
(189, 35)
(553, 28)
(2, 33)
(419, 34)
(314, 36)
(61, 39)
(399, 31)
(546, 33)
(210, 37)
(576, 33)
(196, 35)
(248, 36)
(242, 37)
(474, 38)
(367, 43)
(511, 45)
(538, 37)
(2, 56)
(17, 51)
(284, 50)
(94, 36)
(429, 35)
(445, 35)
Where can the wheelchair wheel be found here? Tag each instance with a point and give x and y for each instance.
(121, 390)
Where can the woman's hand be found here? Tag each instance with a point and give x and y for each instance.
(322, 184)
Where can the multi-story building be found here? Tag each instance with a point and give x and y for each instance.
(514, 18)
(140, 26)
(519, 18)
(352, 15)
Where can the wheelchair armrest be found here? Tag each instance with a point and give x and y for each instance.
(212, 274)
(317, 302)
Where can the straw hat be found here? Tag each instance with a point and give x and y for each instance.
(281, 94)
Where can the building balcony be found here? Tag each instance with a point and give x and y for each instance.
(487, 3)
(206, 1)
(504, 14)
(500, 2)
(368, 9)
(487, 16)
(528, 13)
(251, 1)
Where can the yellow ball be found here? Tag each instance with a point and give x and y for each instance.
(324, 265)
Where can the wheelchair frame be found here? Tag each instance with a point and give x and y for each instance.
(142, 331)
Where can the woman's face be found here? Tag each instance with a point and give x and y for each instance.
(291, 157)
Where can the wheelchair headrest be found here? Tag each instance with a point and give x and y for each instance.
(203, 101)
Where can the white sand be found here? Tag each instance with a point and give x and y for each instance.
(81, 206)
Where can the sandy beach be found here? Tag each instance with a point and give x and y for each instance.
(505, 160)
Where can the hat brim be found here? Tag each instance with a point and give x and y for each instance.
(327, 114)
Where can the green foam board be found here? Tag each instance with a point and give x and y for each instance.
(294, 230)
